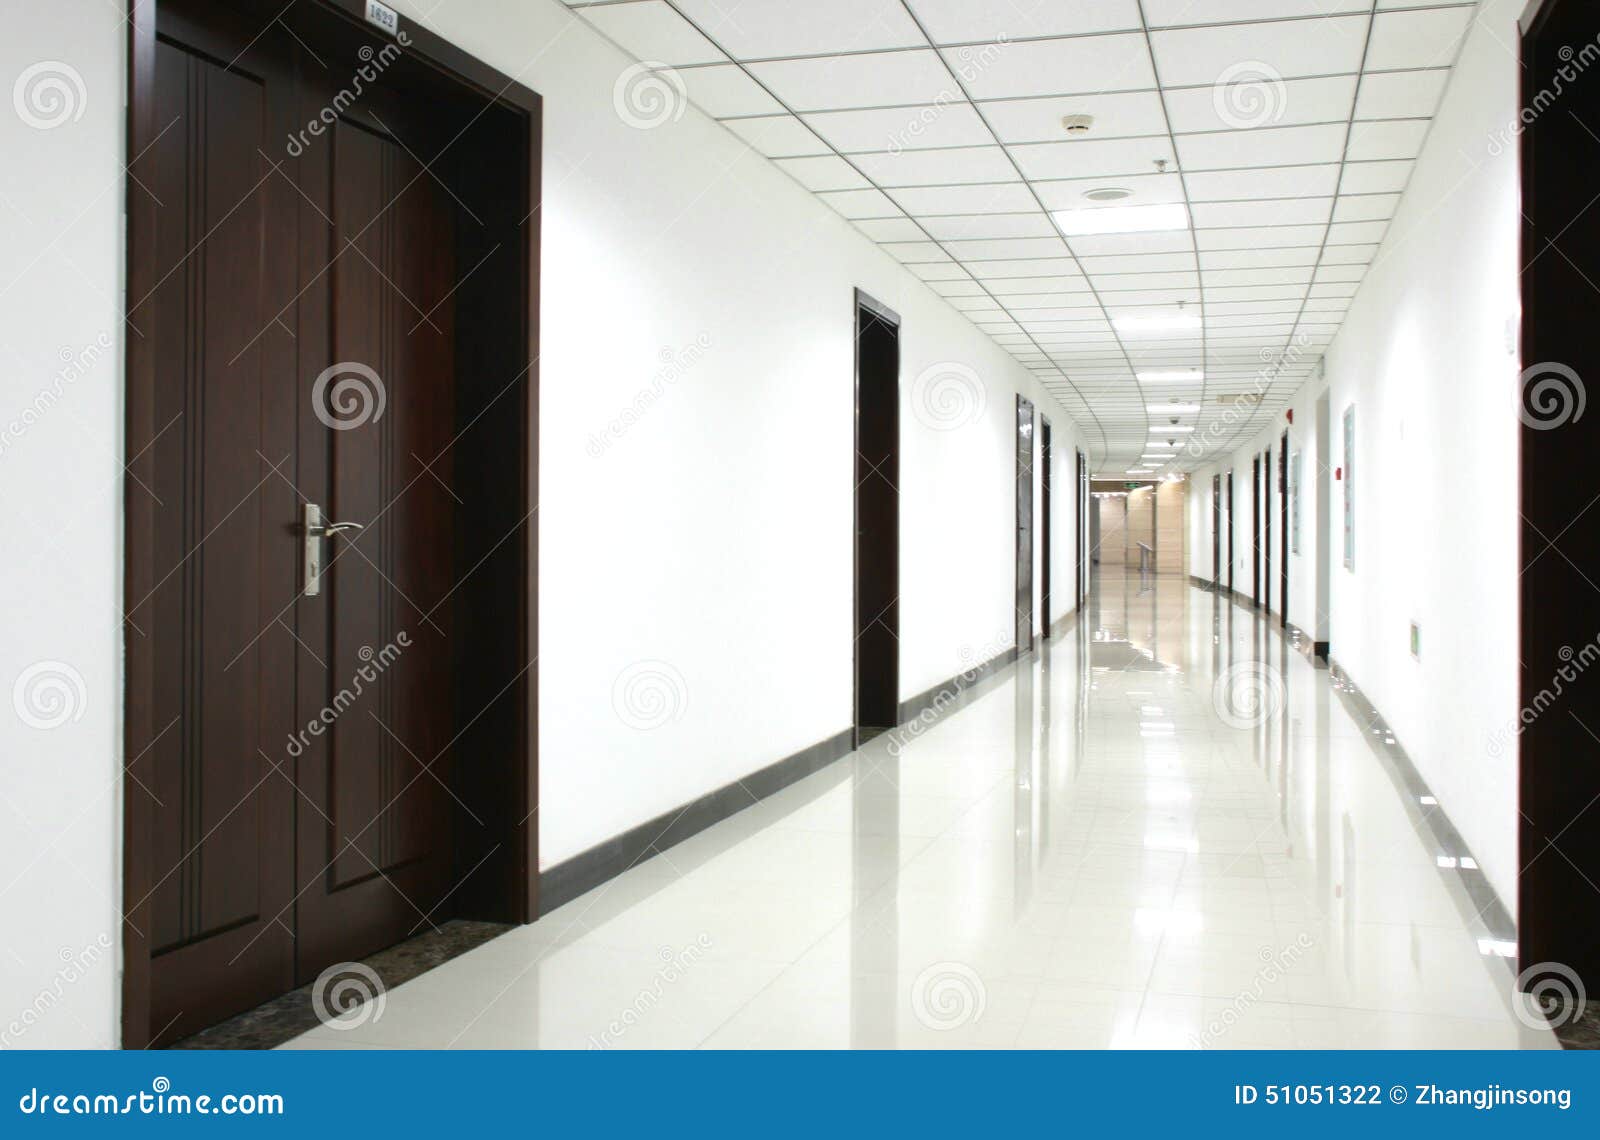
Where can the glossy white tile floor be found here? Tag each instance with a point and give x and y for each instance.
(1087, 855)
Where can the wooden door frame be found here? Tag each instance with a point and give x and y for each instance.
(450, 64)
(1283, 530)
(1255, 530)
(1229, 505)
(1557, 779)
(1080, 496)
(1045, 445)
(1216, 531)
(1024, 472)
(864, 301)
(1266, 531)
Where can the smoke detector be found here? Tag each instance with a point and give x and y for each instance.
(1077, 124)
(1107, 194)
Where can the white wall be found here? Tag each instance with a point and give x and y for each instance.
(1423, 357)
(701, 552)
(60, 505)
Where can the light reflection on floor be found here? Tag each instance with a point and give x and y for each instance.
(1107, 847)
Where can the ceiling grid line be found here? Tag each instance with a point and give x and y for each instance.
(937, 129)
(757, 79)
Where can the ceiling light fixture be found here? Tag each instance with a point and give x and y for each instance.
(1158, 377)
(1170, 409)
(1170, 428)
(1123, 219)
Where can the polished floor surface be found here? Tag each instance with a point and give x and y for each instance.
(1165, 829)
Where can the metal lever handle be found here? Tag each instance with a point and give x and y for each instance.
(316, 531)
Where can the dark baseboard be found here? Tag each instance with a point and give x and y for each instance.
(583, 872)
(1315, 651)
(1476, 897)
(940, 696)
(1479, 901)
(605, 861)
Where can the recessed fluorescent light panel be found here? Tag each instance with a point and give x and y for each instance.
(1158, 431)
(1123, 219)
(1170, 409)
(1173, 374)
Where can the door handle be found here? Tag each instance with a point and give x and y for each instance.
(316, 531)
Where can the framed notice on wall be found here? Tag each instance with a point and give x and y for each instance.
(1350, 487)
(1294, 503)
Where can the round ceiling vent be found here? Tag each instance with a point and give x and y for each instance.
(1107, 194)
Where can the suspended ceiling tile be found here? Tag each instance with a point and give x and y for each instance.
(778, 136)
(1401, 94)
(983, 164)
(1282, 49)
(652, 30)
(877, 79)
(901, 128)
(1084, 65)
(1261, 102)
(970, 21)
(762, 29)
(1427, 38)
(1127, 115)
(726, 90)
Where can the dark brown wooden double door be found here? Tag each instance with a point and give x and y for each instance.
(303, 332)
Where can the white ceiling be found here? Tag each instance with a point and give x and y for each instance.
(935, 127)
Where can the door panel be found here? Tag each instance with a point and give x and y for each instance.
(877, 520)
(1024, 493)
(221, 831)
(375, 840)
(1045, 445)
(1216, 530)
